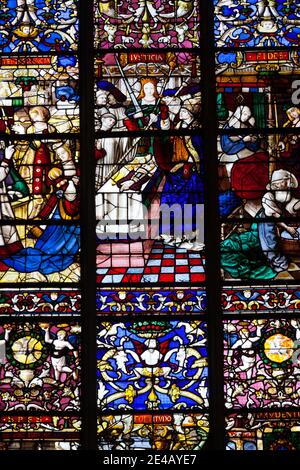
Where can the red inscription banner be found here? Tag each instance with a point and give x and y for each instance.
(154, 419)
(26, 61)
(267, 56)
(135, 58)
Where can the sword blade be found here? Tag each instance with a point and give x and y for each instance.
(129, 89)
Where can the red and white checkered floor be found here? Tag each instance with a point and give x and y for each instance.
(166, 264)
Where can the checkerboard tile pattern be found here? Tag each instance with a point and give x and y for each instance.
(166, 264)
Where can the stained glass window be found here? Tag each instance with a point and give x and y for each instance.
(257, 72)
(149, 201)
(40, 324)
(149, 225)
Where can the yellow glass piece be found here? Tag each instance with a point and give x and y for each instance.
(279, 348)
(27, 350)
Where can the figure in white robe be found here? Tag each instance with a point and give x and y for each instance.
(9, 239)
(116, 205)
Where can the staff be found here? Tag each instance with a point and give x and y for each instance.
(274, 151)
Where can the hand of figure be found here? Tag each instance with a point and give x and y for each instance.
(250, 138)
(9, 151)
(153, 117)
(126, 185)
(292, 231)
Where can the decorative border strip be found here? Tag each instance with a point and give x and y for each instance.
(155, 300)
(273, 299)
(32, 301)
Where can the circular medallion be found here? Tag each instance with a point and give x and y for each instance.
(27, 350)
(279, 348)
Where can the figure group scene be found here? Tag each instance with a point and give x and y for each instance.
(149, 157)
(39, 177)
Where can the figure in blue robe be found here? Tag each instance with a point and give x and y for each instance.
(54, 251)
(57, 247)
(185, 186)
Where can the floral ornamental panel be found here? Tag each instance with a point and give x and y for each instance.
(143, 24)
(38, 25)
(47, 301)
(263, 23)
(151, 301)
(154, 365)
(275, 300)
